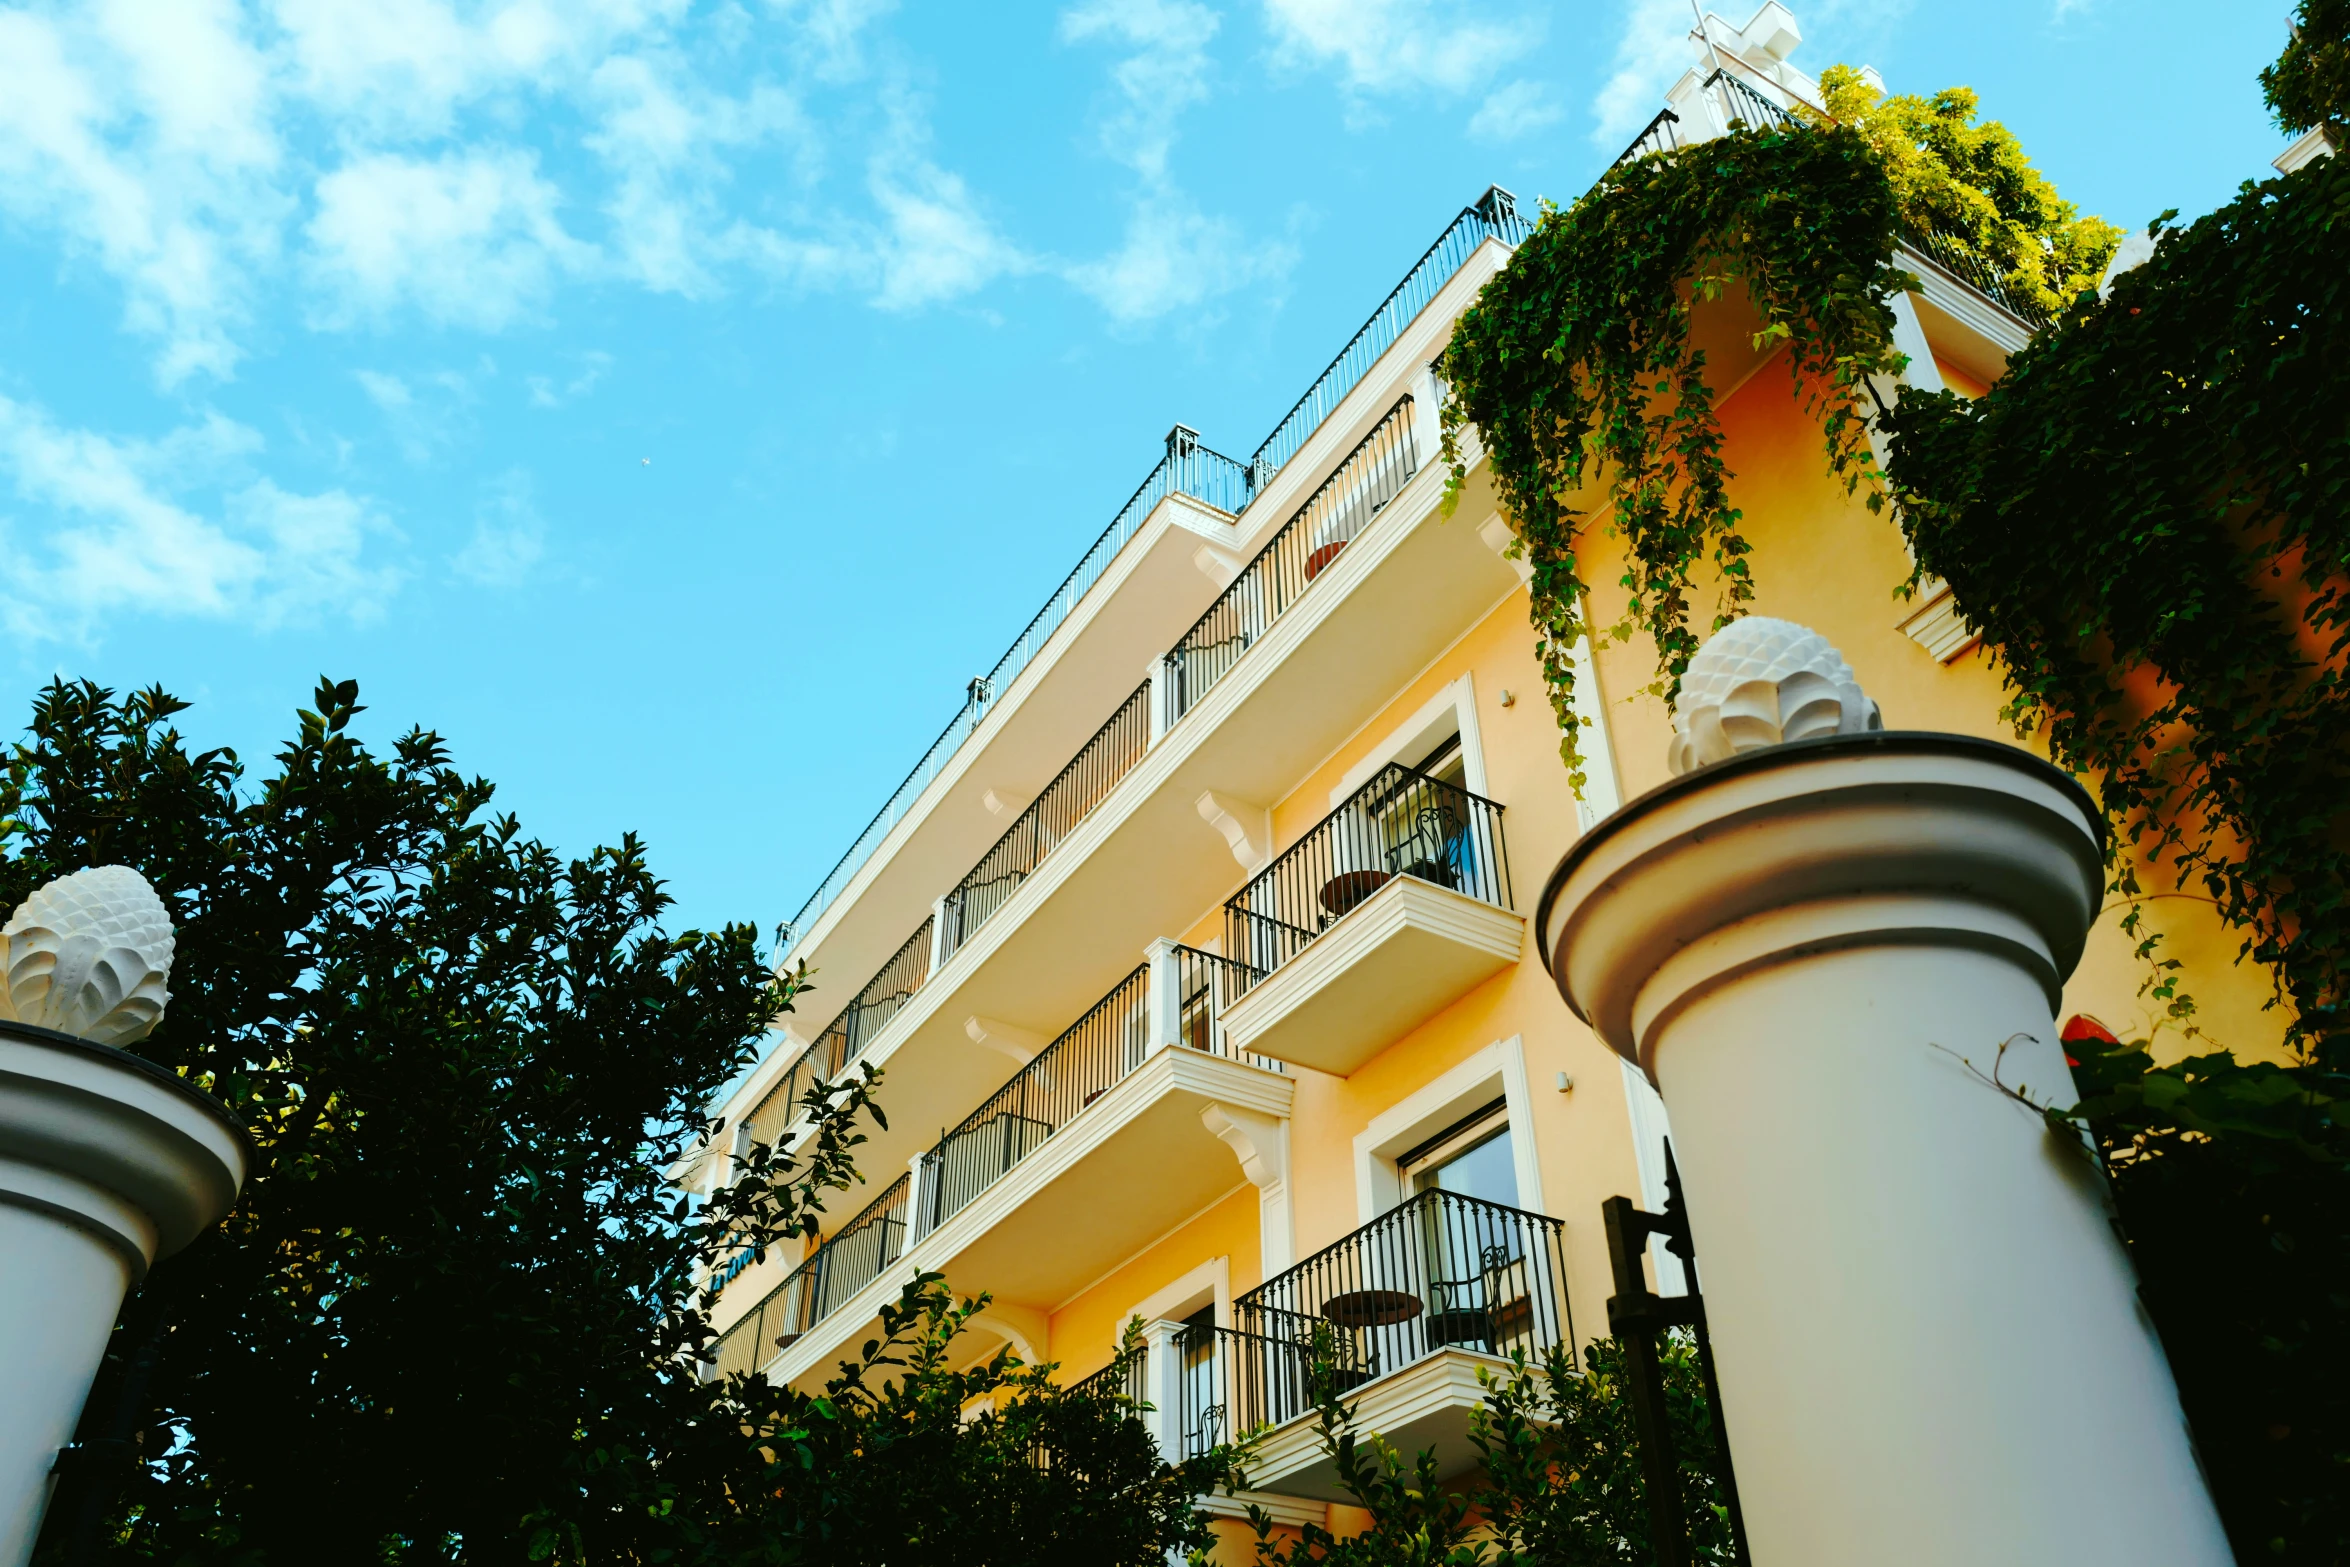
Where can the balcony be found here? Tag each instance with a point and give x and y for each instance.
(1391, 908)
(855, 1255)
(1365, 480)
(1089, 1152)
(1132, 593)
(1109, 756)
(1396, 1319)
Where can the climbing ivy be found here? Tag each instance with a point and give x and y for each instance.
(1576, 367)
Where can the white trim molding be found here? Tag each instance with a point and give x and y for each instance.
(1937, 626)
(1498, 1070)
(1452, 710)
(1211, 1281)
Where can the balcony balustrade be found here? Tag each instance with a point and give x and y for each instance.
(1438, 1271)
(1735, 99)
(1493, 215)
(1188, 468)
(1388, 1319)
(1109, 756)
(1401, 823)
(1090, 1058)
(843, 1265)
(1172, 1000)
(884, 994)
(779, 1106)
(1364, 481)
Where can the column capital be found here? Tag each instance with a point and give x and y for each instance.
(1886, 838)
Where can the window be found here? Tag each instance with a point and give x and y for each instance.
(1473, 1157)
(1202, 1417)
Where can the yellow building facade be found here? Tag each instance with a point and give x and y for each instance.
(1196, 954)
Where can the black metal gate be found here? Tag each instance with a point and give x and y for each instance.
(1636, 1315)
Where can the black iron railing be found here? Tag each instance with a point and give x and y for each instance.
(1186, 468)
(883, 996)
(780, 1105)
(1109, 756)
(1092, 1056)
(1743, 101)
(1365, 480)
(843, 1265)
(1662, 134)
(1129, 1379)
(1401, 823)
(1190, 468)
(1956, 254)
(1440, 1271)
(1493, 215)
(1233, 1383)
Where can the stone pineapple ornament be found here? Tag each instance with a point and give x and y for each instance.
(1759, 682)
(88, 955)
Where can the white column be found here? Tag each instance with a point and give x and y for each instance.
(106, 1164)
(917, 1211)
(1163, 1386)
(1163, 1024)
(940, 951)
(1162, 697)
(1927, 1333)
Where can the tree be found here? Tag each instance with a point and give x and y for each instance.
(1970, 183)
(454, 1316)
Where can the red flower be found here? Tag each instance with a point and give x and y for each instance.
(2081, 1026)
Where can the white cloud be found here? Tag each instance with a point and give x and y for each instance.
(469, 239)
(121, 538)
(509, 536)
(213, 158)
(1519, 109)
(937, 244)
(1166, 74)
(1174, 258)
(404, 68)
(1383, 46)
(139, 134)
(1656, 47)
(545, 392)
(1172, 255)
(666, 137)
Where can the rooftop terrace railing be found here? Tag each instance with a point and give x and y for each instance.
(1092, 1056)
(1364, 481)
(883, 996)
(1193, 469)
(1401, 823)
(1109, 756)
(1740, 100)
(1493, 215)
(1440, 1270)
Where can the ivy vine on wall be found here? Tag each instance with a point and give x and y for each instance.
(1576, 367)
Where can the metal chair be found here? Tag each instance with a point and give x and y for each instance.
(1461, 1310)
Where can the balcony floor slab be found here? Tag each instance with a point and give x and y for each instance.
(1397, 959)
(1425, 1405)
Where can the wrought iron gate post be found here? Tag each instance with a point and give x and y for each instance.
(1636, 1315)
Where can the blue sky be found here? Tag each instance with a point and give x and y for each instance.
(674, 403)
